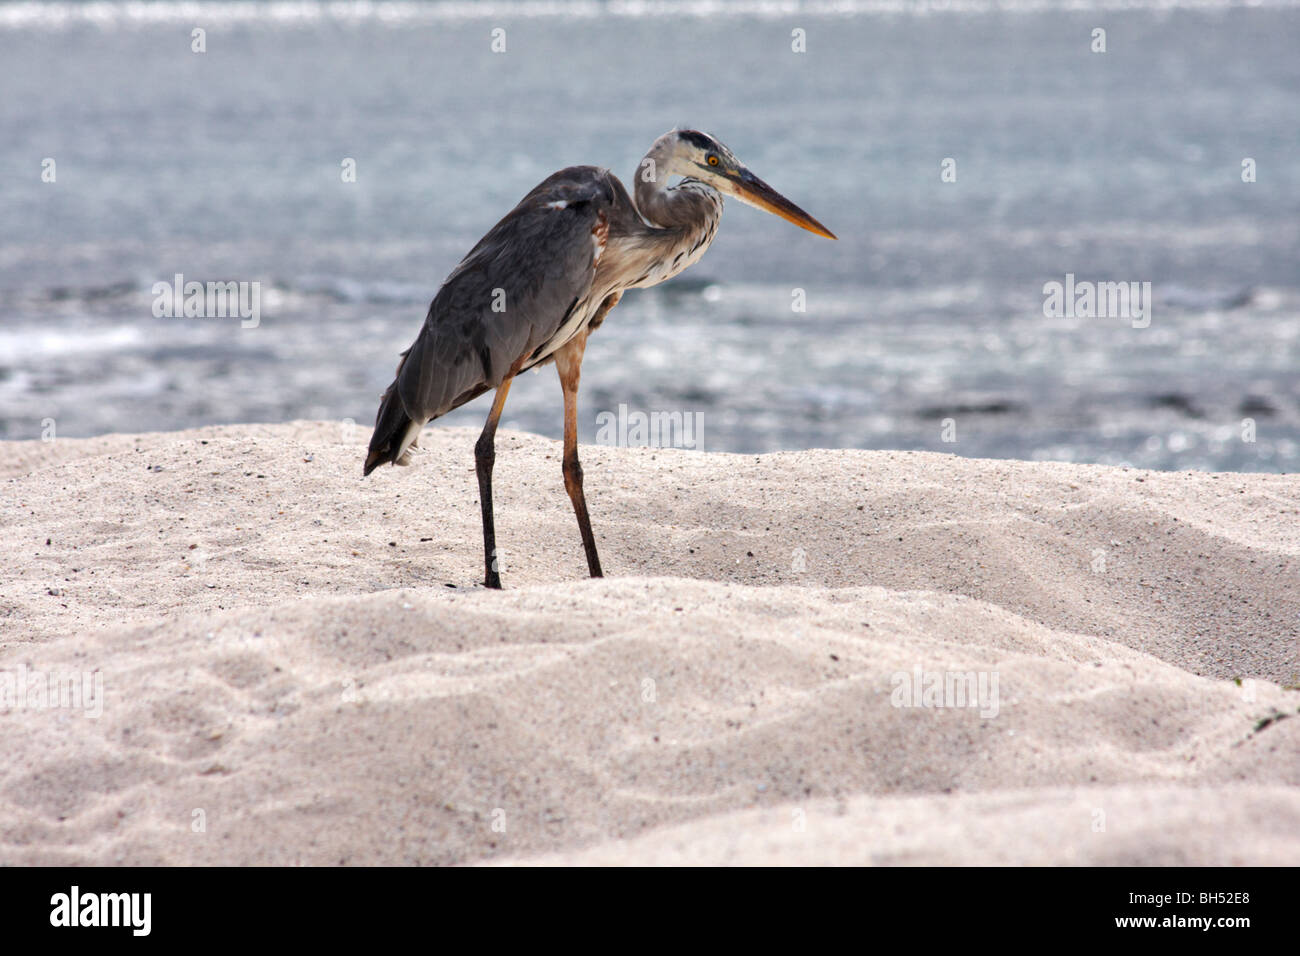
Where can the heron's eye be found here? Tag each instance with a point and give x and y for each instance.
(713, 160)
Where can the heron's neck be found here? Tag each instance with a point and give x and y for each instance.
(686, 207)
(682, 221)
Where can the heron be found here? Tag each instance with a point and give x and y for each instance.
(543, 279)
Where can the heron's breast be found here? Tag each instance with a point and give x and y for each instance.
(579, 317)
(677, 259)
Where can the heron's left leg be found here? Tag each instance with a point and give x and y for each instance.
(485, 457)
(568, 362)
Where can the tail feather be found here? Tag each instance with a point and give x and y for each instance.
(395, 433)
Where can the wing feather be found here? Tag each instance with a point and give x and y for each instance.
(509, 296)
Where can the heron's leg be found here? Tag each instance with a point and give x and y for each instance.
(568, 362)
(485, 456)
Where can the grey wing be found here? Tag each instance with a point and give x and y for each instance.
(510, 296)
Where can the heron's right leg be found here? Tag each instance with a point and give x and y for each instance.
(485, 456)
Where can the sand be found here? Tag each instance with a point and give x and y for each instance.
(294, 665)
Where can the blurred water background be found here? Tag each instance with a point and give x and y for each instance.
(1116, 166)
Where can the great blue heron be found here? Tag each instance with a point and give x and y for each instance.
(543, 278)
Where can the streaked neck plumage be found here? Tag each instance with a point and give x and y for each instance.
(681, 220)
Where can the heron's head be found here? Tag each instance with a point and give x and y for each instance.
(688, 152)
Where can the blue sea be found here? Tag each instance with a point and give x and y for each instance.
(968, 154)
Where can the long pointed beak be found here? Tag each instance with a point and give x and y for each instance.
(748, 188)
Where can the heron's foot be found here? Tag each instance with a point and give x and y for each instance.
(492, 580)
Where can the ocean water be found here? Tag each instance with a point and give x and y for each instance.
(923, 326)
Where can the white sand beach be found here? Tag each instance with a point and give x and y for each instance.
(299, 666)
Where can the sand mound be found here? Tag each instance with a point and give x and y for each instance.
(831, 656)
